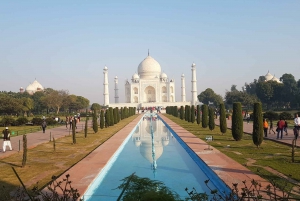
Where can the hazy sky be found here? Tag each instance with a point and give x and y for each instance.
(66, 44)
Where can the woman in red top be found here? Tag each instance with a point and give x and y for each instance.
(280, 126)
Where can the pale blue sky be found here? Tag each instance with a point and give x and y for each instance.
(66, 44)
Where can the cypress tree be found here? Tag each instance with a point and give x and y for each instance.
(118, 114)
(24, 150)
(115, 116)
(73, 131)
(211, 120)
(95, 122)
(107, 118)
(193, 114)
(181, 112)
(237, 122)
(111, 115)
(121, 113)
(204, 109)
(223, 122)
(189, 113)
(198, 115)
(258, 130)
(86, 127)
(102, 119)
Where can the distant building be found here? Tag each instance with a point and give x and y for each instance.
(32, 88)
(270, 77)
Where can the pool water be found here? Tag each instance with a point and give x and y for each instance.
(164, 158)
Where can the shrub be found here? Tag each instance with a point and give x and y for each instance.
(37, 121)
(181, 112)
(102, 119)
(95, 122)
(50, 121)
(193, 114)
(198, 115)
(237, 121)
(8, 121)
(186, 113)
(271, 115)
(257, 135)
(223, 123)
(211, 120)
(189, 117)
(204, 109)
(286, 116)
(22, 120)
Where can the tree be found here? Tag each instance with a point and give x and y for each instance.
(111, 116)
(95, 121)
(28, 104)
(186, 113)
(211, 120)
(204, 110)
(198, 115)
(86, 127)
(107, 118)
(223, 123)
(209, 96)
(24, 150)
(102, 119)
(257, 135)
(54, 99)
(189, 113)
(181, 112)
(74, 131)
(96, 106)
(237, 122)
(193, 114)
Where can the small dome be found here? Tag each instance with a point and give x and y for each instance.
(116, 77)
(182, 75)
(105, 68)
(37, 86)
(163, 75)
(193, 65)
(268, 76)
(135, 76)
(149, 68)
(275, 79)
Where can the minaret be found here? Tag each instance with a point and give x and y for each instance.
(106, 92)
(116, 90)
(183, 88)
(194, 85)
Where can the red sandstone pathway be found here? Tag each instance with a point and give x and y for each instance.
(248, 128)
(86, 171)
(38, 137)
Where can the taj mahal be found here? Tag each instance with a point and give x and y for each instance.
(150, 87)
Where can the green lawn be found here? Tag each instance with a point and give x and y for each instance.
(270, 155)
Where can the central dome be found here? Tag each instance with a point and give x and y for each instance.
(149, 68)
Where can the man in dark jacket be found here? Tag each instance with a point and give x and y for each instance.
(44, 125)
(6, 139)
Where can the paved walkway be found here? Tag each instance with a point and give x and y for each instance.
(248, 128)
(38, 137)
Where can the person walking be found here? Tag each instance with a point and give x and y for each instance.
(248, 117)
(280, 126)
(6, 139)
(44, 125)
(266, 126)
(271, 127)
(67, 121)
(285, 128)
(297, 126)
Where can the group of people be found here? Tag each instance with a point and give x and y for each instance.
(70, 119)
(282, 126)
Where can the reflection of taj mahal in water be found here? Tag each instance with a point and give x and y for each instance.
(142, 138)
(150, 87)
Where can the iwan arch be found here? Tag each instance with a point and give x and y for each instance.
(150, 87)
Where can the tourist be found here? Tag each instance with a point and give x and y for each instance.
(266, 126)
(6, 139)
(70, 121)
(280, 126)
(248, 117)
(44, 125)
(271, 127)
(297, 125)
(285, 127)
(67, 120)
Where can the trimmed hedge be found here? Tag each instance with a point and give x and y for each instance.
(204, 110)
(258, 130)
(211, 120)
(223, 123)
(237, 121)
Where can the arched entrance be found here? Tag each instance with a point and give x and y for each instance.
(149, 94)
